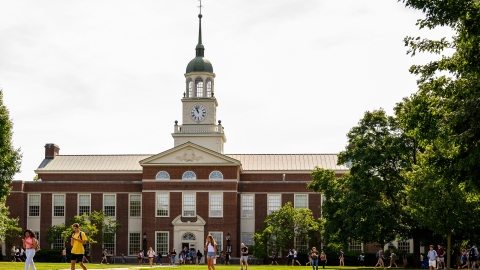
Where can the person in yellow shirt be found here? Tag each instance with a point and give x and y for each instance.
(77, 241)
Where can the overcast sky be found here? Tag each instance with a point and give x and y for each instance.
(292, 76)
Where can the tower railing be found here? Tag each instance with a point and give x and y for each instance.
(198, 129)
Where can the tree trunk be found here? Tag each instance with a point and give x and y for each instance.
(416, 254)
(449, 249)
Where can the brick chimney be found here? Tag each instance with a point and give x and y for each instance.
(51, 150)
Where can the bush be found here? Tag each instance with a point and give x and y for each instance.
(49, 255)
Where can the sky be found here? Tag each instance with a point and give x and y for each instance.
(292, 76)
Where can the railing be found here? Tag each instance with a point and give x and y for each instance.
(198, 129)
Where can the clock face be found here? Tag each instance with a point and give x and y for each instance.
(198, 112)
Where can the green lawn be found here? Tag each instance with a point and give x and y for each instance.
(58, 266)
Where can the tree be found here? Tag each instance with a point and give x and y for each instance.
(10, 226)
(85, 225)
(282, 227)
(107, 227)
(443, 117)
(54, 232)
(10, 160)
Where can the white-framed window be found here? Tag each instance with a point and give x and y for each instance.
(301, 201)
(84, 204)
(189, 175)
(215, 175)
(274, 203)
(355, 245)
(188, 204)
(59, 242)
(161, 242)
(247, 206)
(199, 84)
(109, 203)
(190, 87)
(135, 205)
(162, 175)
(163, 204)
(216, 205)
(58, 205)
(404, 245)
(247, 239)
(300, 244)
(218, 237)
(133, 243)
(33, 205)
(109, 242)
(209, 87)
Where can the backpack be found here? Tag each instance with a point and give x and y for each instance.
(377, 255)
(394, 257)
(139, 256)
(472, 252)
(84, 245)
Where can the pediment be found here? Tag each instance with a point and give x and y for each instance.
(189, 154)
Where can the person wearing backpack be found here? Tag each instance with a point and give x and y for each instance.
(380, 258)
(473, 255)
(432, 258)
(393, 258)
(77, 241)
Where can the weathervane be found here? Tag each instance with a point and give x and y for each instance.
(200, 6)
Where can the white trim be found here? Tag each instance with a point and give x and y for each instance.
(210, 202)
(168, 242)
(156, 203)
(103, 203)
(78, 202)
(128, 245)
(53, 204)
(39, 205)
(194, 201)
(268, 201)
(136, 194)
(241, 205)
(295, 201)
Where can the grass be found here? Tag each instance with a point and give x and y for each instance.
(66, 266)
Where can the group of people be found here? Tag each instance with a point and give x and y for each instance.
(469, 257)
(393, 259)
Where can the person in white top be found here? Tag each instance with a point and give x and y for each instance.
(210, 248)
(151, 255)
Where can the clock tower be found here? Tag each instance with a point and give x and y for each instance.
(199, 105)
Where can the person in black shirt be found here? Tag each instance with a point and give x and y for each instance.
(244, 256)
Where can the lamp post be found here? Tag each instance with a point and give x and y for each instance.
(144, 243)
(229, 247)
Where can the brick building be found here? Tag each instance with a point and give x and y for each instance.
(174, 198)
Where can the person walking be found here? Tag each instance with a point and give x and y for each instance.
(150, 254)
(314, 256)
(441, 257)
(77, 241)
(473, 255)
(380, 258)
(361, 259)
(393, 258)
(199, 256)
(244, 256)
(295, 257)
(173, 255)
(210, 248)
(432, 258)
(274, 257)
(64, 255)
(159, 258)
(342, 258)
(104, 256)
(405, 262)
(30, 244)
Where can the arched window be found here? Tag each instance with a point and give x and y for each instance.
(162, 175)
(189, 236)
(190, 88)
(215, 175)
(189, 175)
(199, 84)
(209, 87)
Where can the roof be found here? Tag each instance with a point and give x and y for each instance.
(131, 163)
(199, 64)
